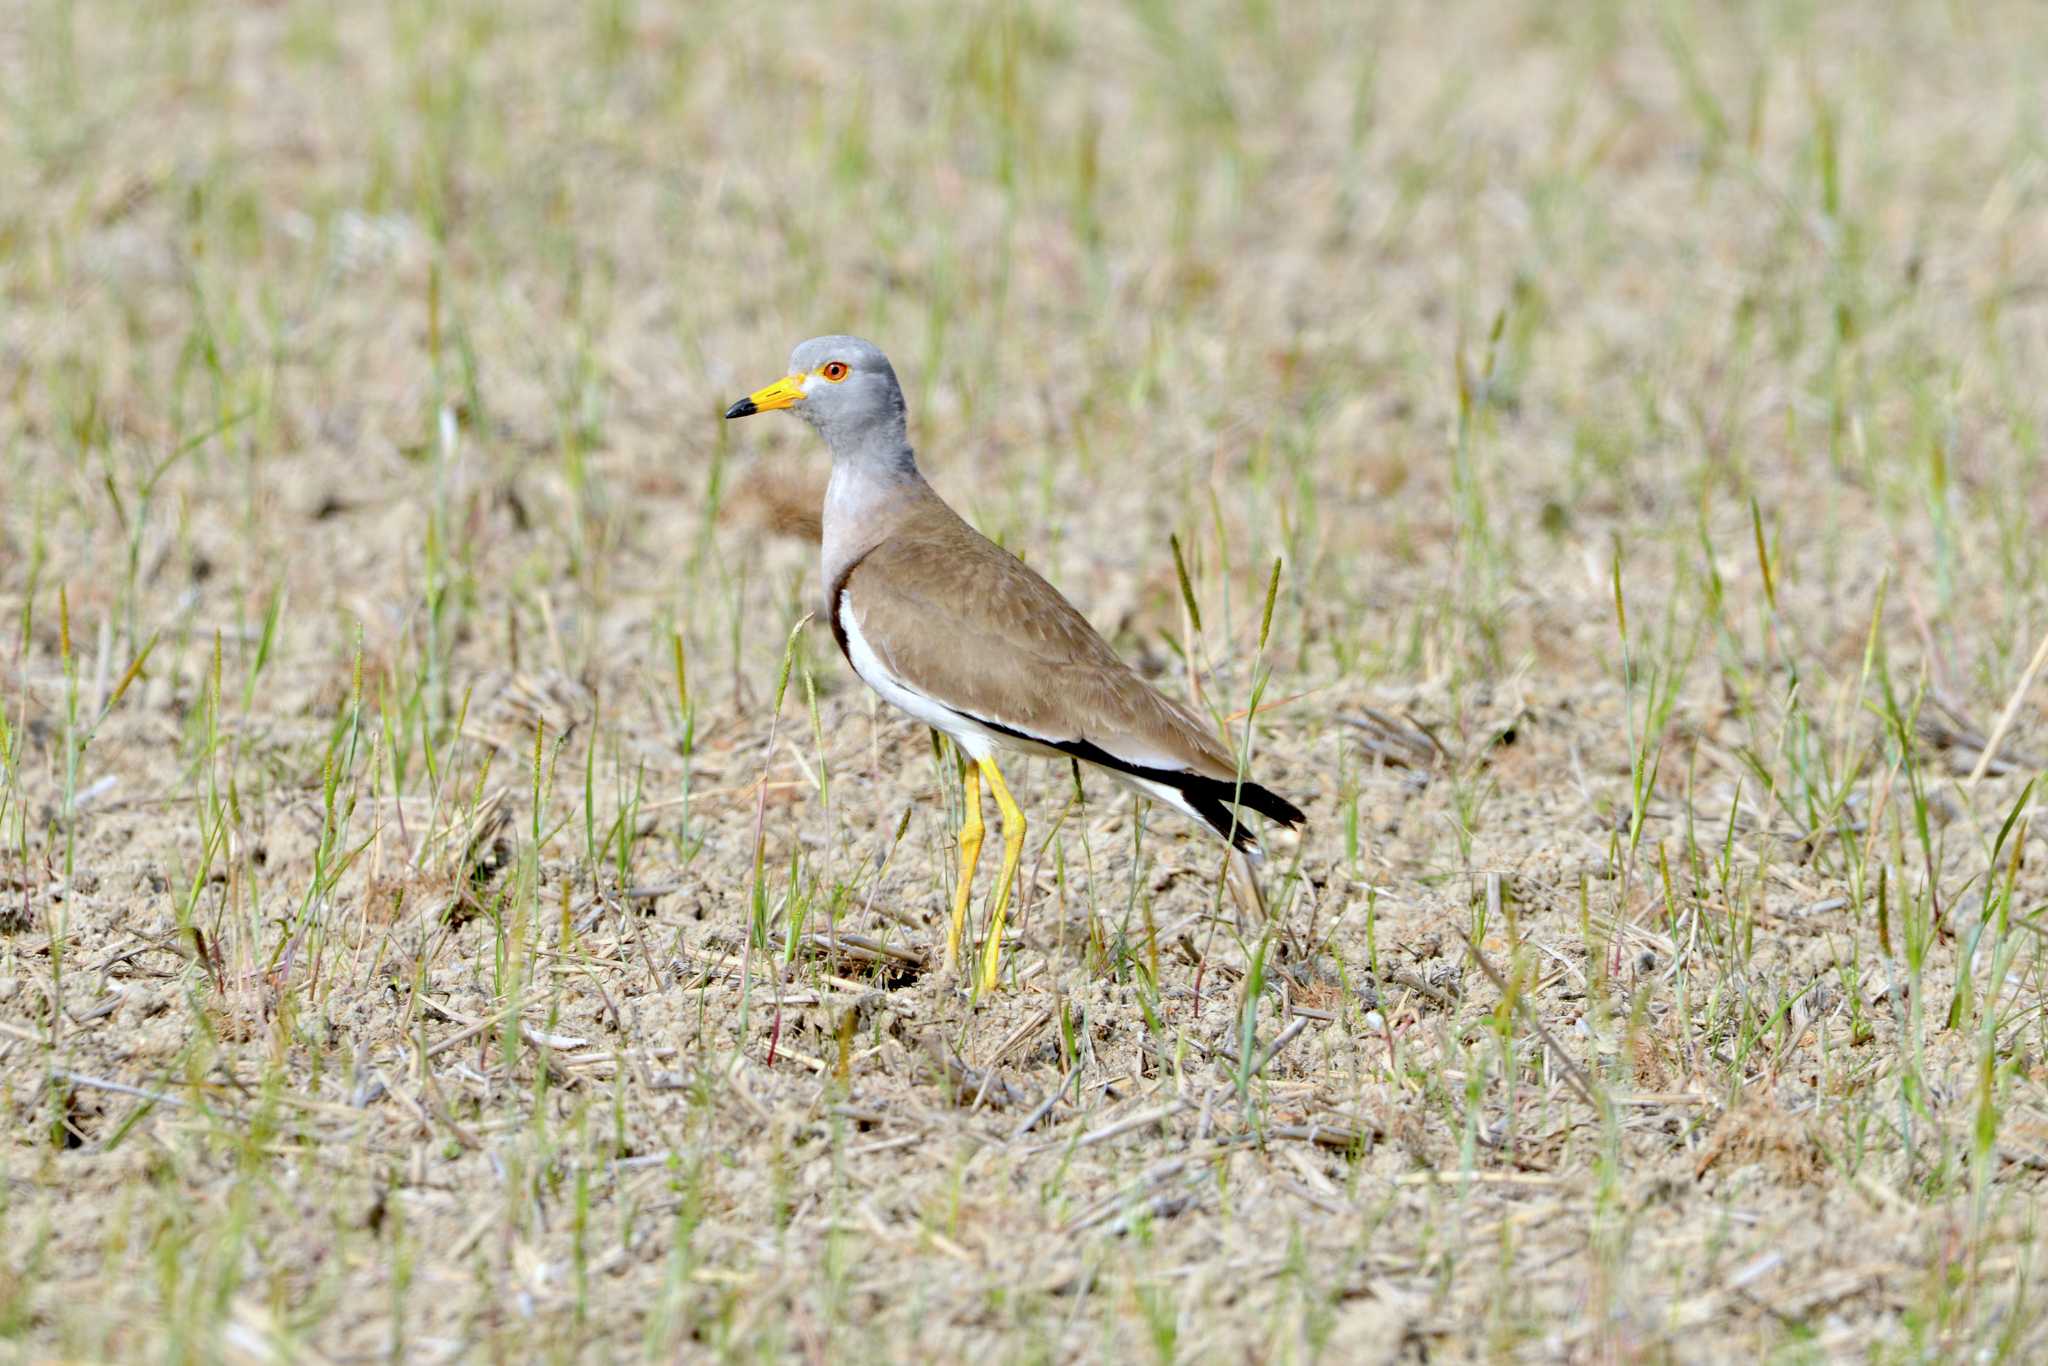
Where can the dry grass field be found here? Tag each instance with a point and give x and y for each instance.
(455, 904)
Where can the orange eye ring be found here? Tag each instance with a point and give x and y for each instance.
(834, 370)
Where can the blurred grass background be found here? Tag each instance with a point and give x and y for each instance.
(364, 507)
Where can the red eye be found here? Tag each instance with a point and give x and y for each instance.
(834, 370)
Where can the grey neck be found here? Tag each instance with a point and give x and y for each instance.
(875, 448)
(871, 488)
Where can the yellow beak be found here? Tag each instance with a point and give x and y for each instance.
(784, 393)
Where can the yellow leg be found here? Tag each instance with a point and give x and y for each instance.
(970, 850)
(1013, 850)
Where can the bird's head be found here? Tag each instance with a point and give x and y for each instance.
(842, 386)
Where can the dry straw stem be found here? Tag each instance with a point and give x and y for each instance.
(1572, 1071)
(2006, 717)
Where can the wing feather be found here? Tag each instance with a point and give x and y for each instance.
(970, 625)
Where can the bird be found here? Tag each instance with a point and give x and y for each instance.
(957, 632)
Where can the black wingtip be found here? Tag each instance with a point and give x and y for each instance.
(1211, 799)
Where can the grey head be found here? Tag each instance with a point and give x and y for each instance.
(847, 390)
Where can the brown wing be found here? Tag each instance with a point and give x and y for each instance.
(970, 625)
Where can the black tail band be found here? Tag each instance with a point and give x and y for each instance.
(1211, 798)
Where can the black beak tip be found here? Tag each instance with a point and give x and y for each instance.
(744, 408)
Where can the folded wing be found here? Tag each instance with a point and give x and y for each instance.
(1002, 646)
